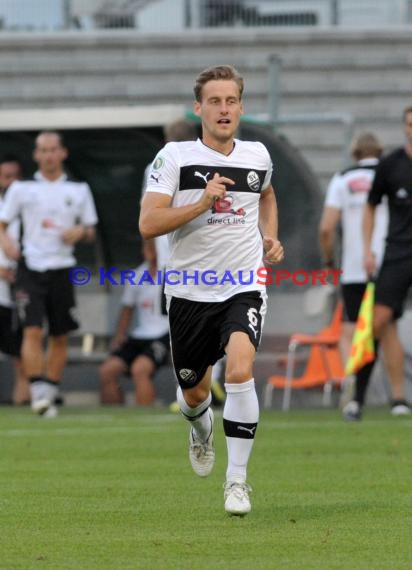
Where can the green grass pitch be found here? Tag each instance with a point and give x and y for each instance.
(113, 489)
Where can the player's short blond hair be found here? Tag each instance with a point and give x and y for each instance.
(406, 111)
(226, 72)
(366, 145)
(52, 133)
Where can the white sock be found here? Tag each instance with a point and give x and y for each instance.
(40, 389)
(240, 418)
(199, 417)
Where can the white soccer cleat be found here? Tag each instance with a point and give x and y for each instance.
(51, 412)
(352, 412)
(43, 395)
(400, 408)
(44, 407)
(40, 406)
(237, 501)
(202, 454)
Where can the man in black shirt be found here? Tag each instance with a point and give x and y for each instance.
(393, 179)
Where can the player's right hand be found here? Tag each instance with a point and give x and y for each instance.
(215, 189)
(369, 263)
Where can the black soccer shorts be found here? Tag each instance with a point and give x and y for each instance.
(392, 284)
(200, 331)
(46, 296)
(10, 332)
(157, 349)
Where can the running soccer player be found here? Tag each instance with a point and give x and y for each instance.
(214, 198)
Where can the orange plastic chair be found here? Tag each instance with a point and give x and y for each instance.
(324, 366)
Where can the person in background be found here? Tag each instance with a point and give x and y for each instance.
(142, 351)
(10, 331)
(345, 199)
(393, 180)
(56, 214)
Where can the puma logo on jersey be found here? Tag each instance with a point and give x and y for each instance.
(203, 176)
(249, 430)
(255, 332)
(155, 177)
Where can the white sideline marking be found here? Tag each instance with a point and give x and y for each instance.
(68, 431)
(320, 423)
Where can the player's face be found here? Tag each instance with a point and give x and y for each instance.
(49, 153)
(407, 127)
(9, 172)
(220, 110)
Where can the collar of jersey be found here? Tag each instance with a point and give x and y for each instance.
(368, 161)
(203, 145)
(40, 178)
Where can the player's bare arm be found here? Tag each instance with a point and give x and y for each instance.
(368, 225)
(327, 231)
(157, 217)
(9, 247)
(123, 324)
(268, 224)
(79, 233)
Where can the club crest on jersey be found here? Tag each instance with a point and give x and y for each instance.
(253, 181)
(187, 375)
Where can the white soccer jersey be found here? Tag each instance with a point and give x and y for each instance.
(224, 243)
(348, 192)
(13, 231)
(147, 299)
(47, 209)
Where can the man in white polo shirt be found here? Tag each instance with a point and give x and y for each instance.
(56, 213)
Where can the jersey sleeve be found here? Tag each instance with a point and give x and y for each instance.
(334, 193)
(164, 172)
(145, 179)
(89, 214)
(378, 189)
(11, 206)
(129, 295)
(130, 291)
(269, 167)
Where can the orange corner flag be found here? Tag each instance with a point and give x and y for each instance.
(363, 347)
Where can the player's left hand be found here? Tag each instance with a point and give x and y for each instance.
(273, 250)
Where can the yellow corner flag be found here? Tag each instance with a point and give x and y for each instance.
(363, 347)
